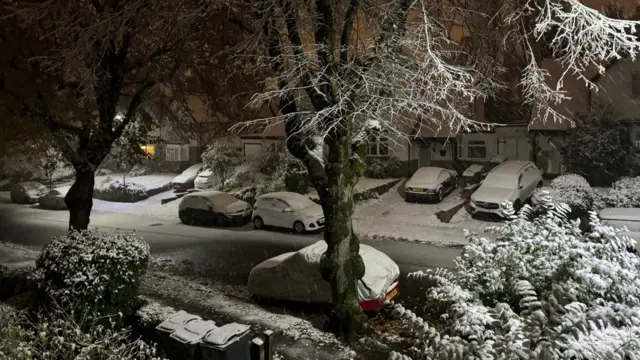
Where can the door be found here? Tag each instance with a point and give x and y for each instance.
(251, 150)
(281, 218)
(424, 157)
(523, 149)
(508, 148)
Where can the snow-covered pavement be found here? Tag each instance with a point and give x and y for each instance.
(391, 216)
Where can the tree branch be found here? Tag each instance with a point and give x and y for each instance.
(345, 38)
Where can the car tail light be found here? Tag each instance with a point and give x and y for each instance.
(376, 304)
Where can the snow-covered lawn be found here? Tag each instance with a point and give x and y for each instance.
(363, 185)
(150, 182)
(391, 216)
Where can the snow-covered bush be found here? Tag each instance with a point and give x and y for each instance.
(267, 163)
(292, 173)
(221, 158)
(382, 167)
(599, 147)
(92, 272)
(139, 170)
(58, 336)
(245, 174)
(571, 189)
(541, 290)
(628, 190)
(121, 191)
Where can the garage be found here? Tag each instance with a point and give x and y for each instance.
(251, 150)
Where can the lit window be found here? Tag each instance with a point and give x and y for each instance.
(149, 149)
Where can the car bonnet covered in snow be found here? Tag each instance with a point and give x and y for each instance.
(189, 174)
(296, 276)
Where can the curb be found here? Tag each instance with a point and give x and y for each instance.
(419, 241)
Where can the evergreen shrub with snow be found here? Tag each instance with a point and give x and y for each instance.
(221, 158)
(382, 167)
(570, 189)
(292, 173)
(599, 147)
(90, 272)
(58, 336)
(542, 289)
(625, 193)
(121, 190)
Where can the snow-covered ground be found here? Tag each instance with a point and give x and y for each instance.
(391, 216)
(152, 181)
(363, 184)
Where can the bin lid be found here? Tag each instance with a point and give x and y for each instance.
(177, 321)
(193, 331)
(225, 334)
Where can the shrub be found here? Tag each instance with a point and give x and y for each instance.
(91, 272)
(57, 336)
(221, 159)
(291, 173)
(571, 189)
(139, 170)
(382, 167)
(628, 191)
(541, 290)
(121, 191)
(268, 162)
(599, 148)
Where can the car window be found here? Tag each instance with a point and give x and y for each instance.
(443, 176)
(520, 178)
(280, 205)
(264, 203)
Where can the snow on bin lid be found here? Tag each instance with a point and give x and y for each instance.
(176, 321)
(193, 331)
(225, 334)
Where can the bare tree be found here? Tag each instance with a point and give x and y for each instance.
(345, 71)
(70, 67)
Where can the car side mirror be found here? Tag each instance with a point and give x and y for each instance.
(287, 210)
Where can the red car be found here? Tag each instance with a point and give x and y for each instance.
(184, 181)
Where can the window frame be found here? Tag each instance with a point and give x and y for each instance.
(381, 142)
(474, 144)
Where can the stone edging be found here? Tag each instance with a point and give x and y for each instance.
(419, 241)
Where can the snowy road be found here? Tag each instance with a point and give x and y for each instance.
(223, 254)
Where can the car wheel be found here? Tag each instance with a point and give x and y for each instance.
(258, 223)
(184, 218)
(13, 199)
(408, 198)
(59, 205)
(298, 227)
(440, 195)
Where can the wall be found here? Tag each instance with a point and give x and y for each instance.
(615, 89)
(491, 143)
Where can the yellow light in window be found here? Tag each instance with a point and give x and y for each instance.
(149, 149)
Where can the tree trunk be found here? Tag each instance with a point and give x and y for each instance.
(79, 199)
(342, 266)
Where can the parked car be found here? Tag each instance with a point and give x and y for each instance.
(213, 208)
(623, 217)
(54, 199)
(184, 181)
(206, 179)
(287, 210)
(295, 276)
(28, 192)
(513, 180)
(430, 183)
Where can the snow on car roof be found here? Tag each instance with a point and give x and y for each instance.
(511, 166)
(193, 168)
(216, 197)
(630, 214)
(291, 198)
(428, 172)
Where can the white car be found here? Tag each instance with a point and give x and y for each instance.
(28, 192)
(206, 179)
(184, 181)
(287, 210)
(214, 208)
(55, 199)
(295, 276)
(430, 183)
(623, 217)
(513, 180)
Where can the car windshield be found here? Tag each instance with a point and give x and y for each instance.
(192, 169)
(221, 200)
(298, 201)
(427, 174)
(205, 173)
(501, 179)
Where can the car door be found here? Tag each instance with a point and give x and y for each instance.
(283, 219)
(264, 209)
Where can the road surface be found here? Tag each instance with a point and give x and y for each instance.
(224, 254)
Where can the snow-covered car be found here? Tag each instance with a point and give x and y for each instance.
(206, 179)
(184, 181)
(213, 208)
(623, 217)
(287, 210)
(430, 183)
(54, 199)
(295, 276)
(513, 180)
(28, 192)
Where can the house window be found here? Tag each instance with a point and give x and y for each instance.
(635, 84)
(149, 149)
(177, 152)
(380, 147)
(476, 149)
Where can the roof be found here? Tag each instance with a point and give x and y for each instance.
(513, 165)
(284, 195)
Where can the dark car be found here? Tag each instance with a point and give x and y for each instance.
(430, 183)
(28, 192)
(185, 181)
(213, 208)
